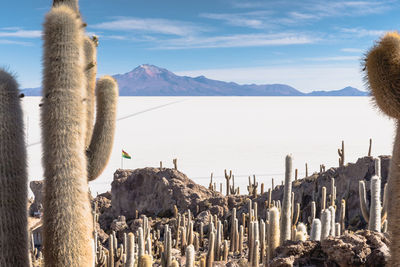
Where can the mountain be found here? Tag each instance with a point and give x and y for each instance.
(348, 91)
(150, 80)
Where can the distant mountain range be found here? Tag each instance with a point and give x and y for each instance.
(150, 80)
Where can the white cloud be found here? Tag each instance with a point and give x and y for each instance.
(21, 33)
(352, 50)
(359, 32)
(303, 77)
(249, 19)
(334, 58)
(12, 42)
(149, 25)
(237, 40)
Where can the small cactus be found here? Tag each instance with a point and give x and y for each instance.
(316, 230)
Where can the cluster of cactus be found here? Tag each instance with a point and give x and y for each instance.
(252, 187)
(375, 215)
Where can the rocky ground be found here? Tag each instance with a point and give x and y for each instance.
(156, 192)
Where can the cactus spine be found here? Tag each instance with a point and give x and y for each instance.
(13, 177)
(286, 210)
(67, 225)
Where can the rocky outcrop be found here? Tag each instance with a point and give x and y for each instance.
(155, 191)
(363, 248)
(346, 180)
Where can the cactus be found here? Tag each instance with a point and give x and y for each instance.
(252, 187)
(326, 223)
(370, 147)
(342, 215)
(145, 261)
(373, 215)
(273, 232)
(313, 212)
(175, 162)
(316, 230)
(241, 236)
(227, 178)
(130, 251)
(190, 256)
(67, 226)
(234, 191)
(333, 192)
(210, 186)
(13, 178)
(341, 155)
(337, 229)
(333, 217)
(306, 170)
(210, 253)
(323, 204)
(286, 209)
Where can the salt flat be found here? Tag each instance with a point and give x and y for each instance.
(250, 135)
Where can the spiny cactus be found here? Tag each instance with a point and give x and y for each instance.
(285, 220)
(326, 223)
(227, 178)
(316, 230)
(341, 155)
(210, 253)
(190, 256)
(13, 176)
(342, 215)
(73, 4)
(130, 259)
(333, 217)
(145, 261)
(273, 232)
(233, 189)
(67, 224)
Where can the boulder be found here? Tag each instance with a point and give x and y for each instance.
(155, 191)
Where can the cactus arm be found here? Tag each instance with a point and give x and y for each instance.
(67, 223)
(101, 144)
(13, 177)
(89, 47)
(363, 201)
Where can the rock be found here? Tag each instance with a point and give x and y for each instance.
(119, 224)
(154, 192)
(37, 188)
(363, 248)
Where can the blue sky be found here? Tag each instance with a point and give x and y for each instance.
(310, 45)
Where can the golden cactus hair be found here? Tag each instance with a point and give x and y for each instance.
(67, 222)
(382, 66)
(13, 176)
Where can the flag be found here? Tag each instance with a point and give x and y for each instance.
(125, 155)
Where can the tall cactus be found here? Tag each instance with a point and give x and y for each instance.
(228, 178)
(316, 230)
(286, 209)
(67, 223)
(13, 177)
(382, 66)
